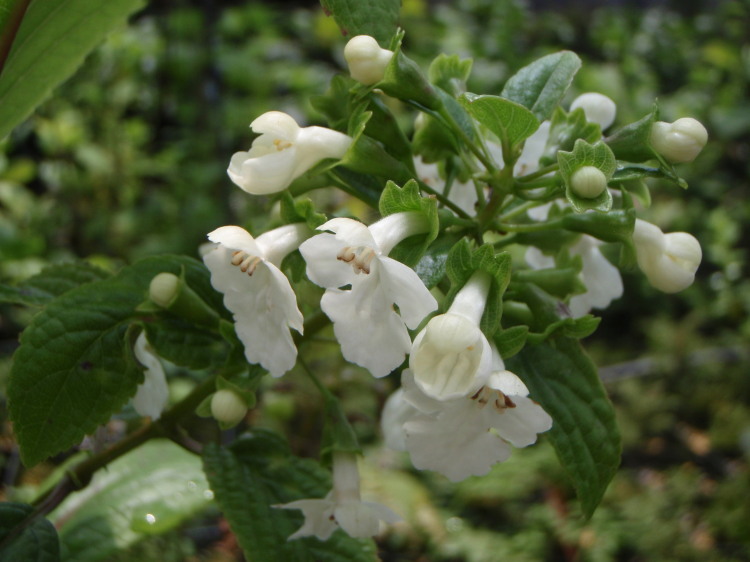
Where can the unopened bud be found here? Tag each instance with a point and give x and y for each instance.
(680, 141)
(598, 108)
(163, 289)
(588, 182)
(668, 260)
(228, 407)
(366, 60)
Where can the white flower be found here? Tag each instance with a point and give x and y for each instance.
(465, 436)
(366, 59)
(533, 150)
(602, 279)
(451, 355)
(152, 394)
(371, 333)
(342, 507)
(680, 141)
(283, 152)
(668, 260)
(246, 271)
(462, 194)
(598, 108)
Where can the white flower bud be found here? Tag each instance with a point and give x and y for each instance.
(366, 60)
(680, 141)
(668, 260)
(228, 407)
(588, 182)
(598, 108)
(163, 289)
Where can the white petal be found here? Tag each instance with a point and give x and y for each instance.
(533, 149)
(396, 412)
(407, 290)
(270, 173)
(277, 124)
(235, 238)
(323, 267)
(354, 233)
(537, 260)
(316, 143)
(508, 383)
(318, 515)
(519, 425)
(414, 396)
(153, 393)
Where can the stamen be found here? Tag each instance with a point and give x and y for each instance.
(281, 144)
(360, 257)
(245, 261)
(237, 257)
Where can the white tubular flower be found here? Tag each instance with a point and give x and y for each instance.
(602, 279)
(669, 261)
(152, 394)
(342, 507)
(466, 436)
(462, 194)
(680, 141)
(366, 59)
(451, 356)
(598, 108)
(246, 271)
(283, 152)
(371, 333)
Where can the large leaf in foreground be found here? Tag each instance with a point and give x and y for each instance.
(53, 39)
(74, 367)
(562, 378)
(377, 18)
(36, 543)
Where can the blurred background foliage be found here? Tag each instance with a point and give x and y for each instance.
(128, 159)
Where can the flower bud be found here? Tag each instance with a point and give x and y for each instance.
(366, 60)
(669, 261)
(228, 407)
(680, 141)
(588, 182)
(598, 108)
(163, 289)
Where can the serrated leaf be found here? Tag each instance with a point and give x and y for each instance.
(184, 344)
(463, 262)
(541, 85)
(565, 129)
(377, 18)
(450, 73)
(146, 492)
(300, 210)
(562, 378)
(51, 282)
(511, 340)
(431, 266)
(511, 122)
(597, 155)
(74, 368)
(38, 542)
(54, 37)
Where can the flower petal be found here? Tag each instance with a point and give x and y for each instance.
(235, 238)
(276, 124)
(323, 267)
(519, 425)
(407, 290)
(153, 393)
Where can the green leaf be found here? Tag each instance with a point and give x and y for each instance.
(432, 265)
(463, 262)
(335, 104)
(558, 281)
(565, 129)
(300, 210)
(149, 491)
(597, 155)
(50, 283)
(184, 344)
(542, 84)
(511, 340)
(403, 79)
(614, 226)
(37, 542)
(383, 127)
(53, 39)
(511, 122)
(450, 73)
(258, 472)
(74, 367)
(633, 142)
(378, 18)
(562, 378)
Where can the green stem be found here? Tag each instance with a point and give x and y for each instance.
(539, 173)
(10, 28)
(444, 200)
(532, 227)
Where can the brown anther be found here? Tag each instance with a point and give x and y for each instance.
(237, 257)
(281, 144)
(477, 393)
(346, 255)
(508, 402)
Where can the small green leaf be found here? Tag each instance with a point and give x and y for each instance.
(542, 84)
(562, 378)
(633, 142)
(596, 155)
(450, 73)
(614, 226)
(335, 104)
(74, 367)
(463, 262)
(37, 542)
(50, 283)
(558, 281)
(511, 340)
(404, 80)
(149, 491)
(565, 129)
(511, 122)
(431, 266)
(300, 210)
(54, 38)
(377, 18)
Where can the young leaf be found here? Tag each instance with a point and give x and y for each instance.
(542, 84)
(450, 73)
(565, 129)
(38, 542)
(74, 367)
(54, 37)
(50, 283)
(509, 121)
(377, 18)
